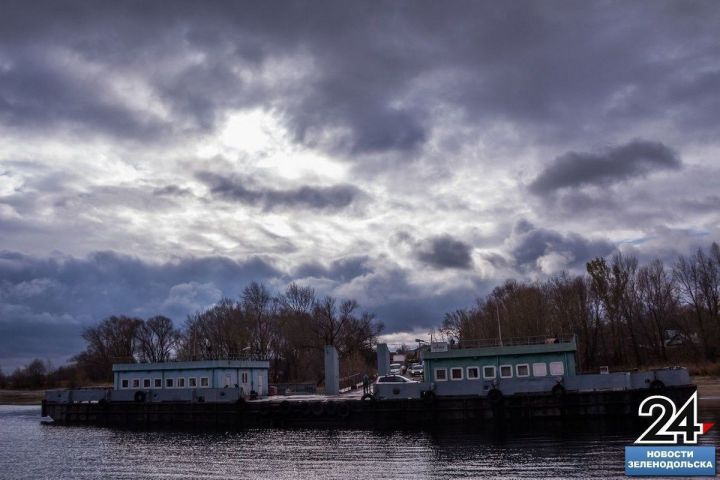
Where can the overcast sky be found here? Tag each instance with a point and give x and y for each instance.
(155, 156)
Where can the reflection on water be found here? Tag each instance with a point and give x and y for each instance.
(30, 450)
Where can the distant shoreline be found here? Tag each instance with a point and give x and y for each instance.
(708, 387)
(21, 397)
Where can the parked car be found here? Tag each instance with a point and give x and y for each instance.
(395, 369)
(397, 387)
(394, 379)
(417, 370)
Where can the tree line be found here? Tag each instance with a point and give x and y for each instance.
(290, 329)
(624, 314)
(38, 374)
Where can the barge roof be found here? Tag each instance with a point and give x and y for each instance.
(193, 365)
(492, 351)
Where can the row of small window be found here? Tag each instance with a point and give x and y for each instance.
(506, 371)
(192, 382)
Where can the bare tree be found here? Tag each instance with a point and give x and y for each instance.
(298, 299)
(217, 332)
(157, 339)
(659, 300)
(111, 341)
(693, 284)
(574, 310)
(260, 309)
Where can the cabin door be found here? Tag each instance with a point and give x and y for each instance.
(228, 380)
(244, 381)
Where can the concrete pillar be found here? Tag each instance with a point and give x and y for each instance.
(383, 357)
(332, 371)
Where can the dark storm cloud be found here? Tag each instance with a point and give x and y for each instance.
(634, 159)
(445, 252)
(25, 335)
(46, 301)
(172, 190)
(425, 310)
(529, 244)
(341, 270)
(334, 197)
(374, 83)
(376, 71)
(36, 90)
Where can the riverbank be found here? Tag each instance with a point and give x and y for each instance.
(21, 397)
(708, 387)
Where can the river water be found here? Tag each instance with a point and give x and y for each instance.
(30, 449)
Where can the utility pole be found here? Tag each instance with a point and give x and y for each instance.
(497, 313)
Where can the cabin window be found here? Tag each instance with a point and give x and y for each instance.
(244, 377)
(204, 382)
(557, 368)
(489, 372)
(181, 382)
(169, 383)
(146, 383)
(192, 382)
(440, 374)
(136, 383)
(456, 373)
(505, 371)
(473, 373)
(539, 370)
(158, 383)
(522, 370)
(125, 383)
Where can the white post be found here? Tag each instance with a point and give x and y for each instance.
(332, 371)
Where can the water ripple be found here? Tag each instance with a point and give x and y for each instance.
(30, 450)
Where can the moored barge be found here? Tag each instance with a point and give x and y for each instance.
(473, 385)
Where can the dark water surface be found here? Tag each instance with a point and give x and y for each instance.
(31, 450)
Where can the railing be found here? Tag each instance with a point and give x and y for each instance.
(199, 358)
(506, 342)
(294, 388)
(232, 356)
(351, 382)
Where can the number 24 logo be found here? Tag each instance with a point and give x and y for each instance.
(670, 426)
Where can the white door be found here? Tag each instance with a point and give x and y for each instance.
(260, 385)
(228, 380)
(244, 381)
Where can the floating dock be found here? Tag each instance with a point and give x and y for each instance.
(225, 409)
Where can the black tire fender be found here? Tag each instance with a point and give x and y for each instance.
(140, 397)
(558, 390)
(495, 396)
(318, 409)
(296, 407)
(657, 385)
(343, 410)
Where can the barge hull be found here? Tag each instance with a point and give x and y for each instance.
(354, 413)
